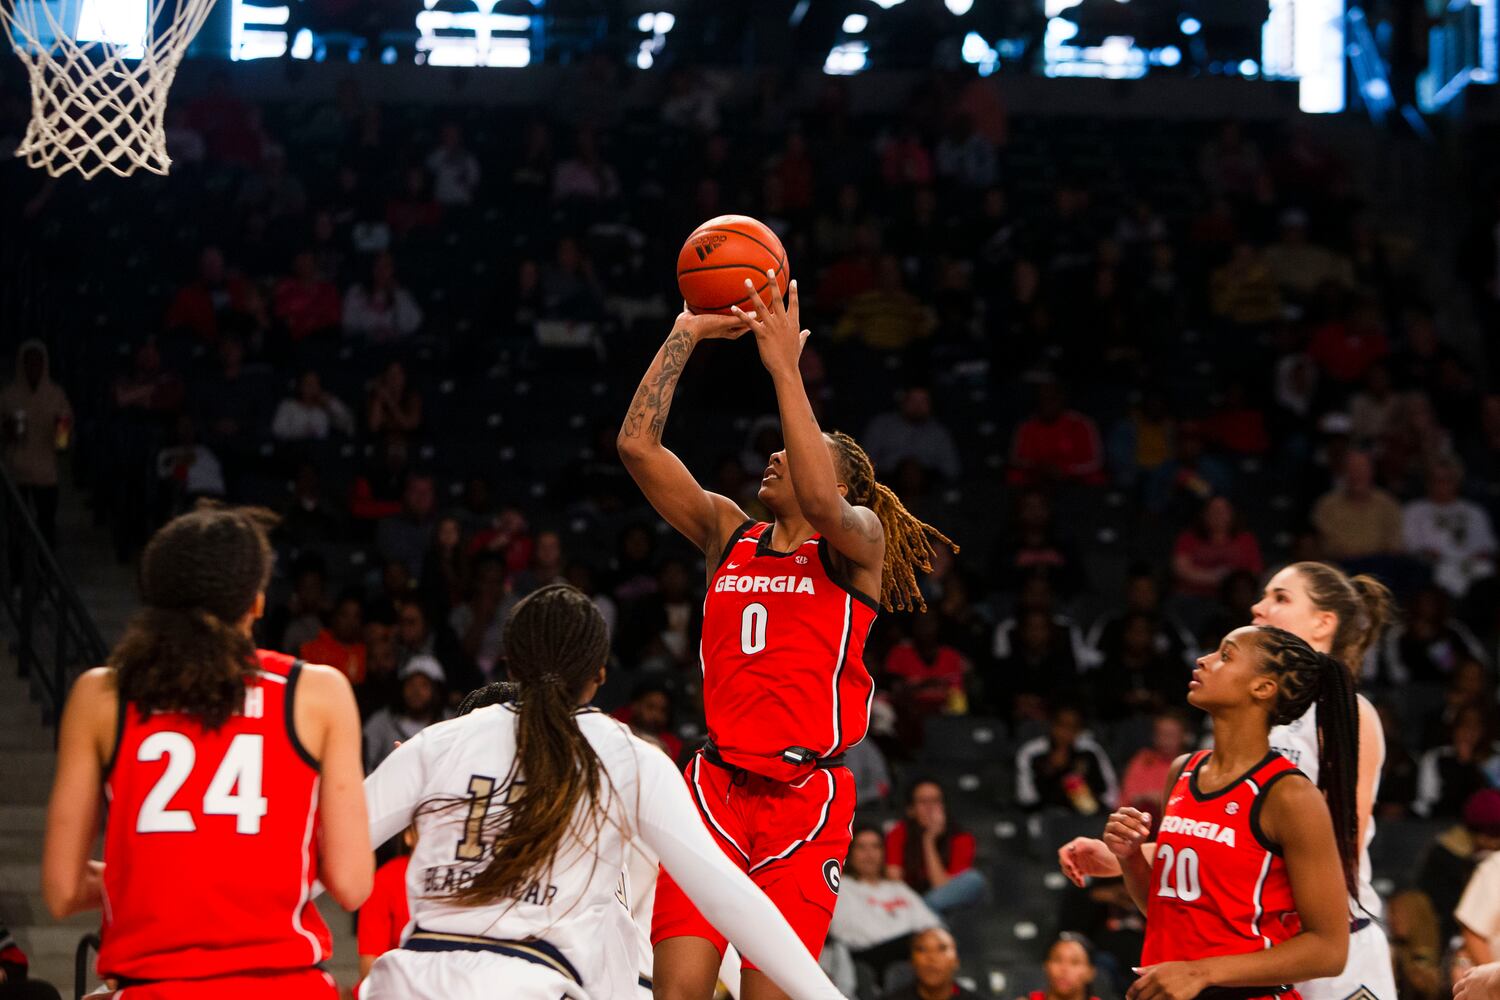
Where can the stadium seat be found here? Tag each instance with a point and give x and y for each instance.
(963, 738)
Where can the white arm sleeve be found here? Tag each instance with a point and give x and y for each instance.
(671, 826)
(394, 790)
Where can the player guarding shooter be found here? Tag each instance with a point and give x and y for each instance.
(789, 606)
(232, 777)
(526, 812)
(1343, 616)
(1247, 888)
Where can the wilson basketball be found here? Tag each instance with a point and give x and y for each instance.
(720, 255)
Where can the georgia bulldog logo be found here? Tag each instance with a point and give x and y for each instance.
(831, 875)
(1232, 808)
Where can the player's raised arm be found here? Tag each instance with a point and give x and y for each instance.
(706, 519)
(855, 532)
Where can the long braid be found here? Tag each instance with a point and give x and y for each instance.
(1308, 677)
(908, 541)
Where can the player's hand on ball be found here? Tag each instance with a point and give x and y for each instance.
(1169, 981)
(709, 326)
(1126, 831)
(777, 328)
(1083, 858)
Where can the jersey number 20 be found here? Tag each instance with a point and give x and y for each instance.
(234, 790)
(1184, 865)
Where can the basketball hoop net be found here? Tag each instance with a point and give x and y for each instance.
(99, 80)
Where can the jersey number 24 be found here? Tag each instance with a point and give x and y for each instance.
(233, 791)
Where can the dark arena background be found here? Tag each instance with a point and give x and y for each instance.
(1136, 300)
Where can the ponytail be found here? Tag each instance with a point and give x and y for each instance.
(1362, 604)
(556, 643)
(1306, 678)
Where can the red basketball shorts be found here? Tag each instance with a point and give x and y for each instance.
(790, 838)
(304, 984)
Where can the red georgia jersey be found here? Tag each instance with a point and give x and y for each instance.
(783, 654)
(1217, 886)
(211, 846)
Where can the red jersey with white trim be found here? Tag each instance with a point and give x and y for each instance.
(783, 654)
(211, 844)
(1218, 887)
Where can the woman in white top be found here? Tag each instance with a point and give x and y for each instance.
(875, 916)
(1343, 616)
(526, 813)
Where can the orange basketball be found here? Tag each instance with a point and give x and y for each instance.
(720, 255)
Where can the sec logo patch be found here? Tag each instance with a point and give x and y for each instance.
(831, 875)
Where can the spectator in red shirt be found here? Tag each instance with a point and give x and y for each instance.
(385, 913)
(306, 303)
(1056, 443)
(649, 716)
(1146, 774)
(1345, 349)
(415, 207)
(1214, 548)
(341, 644)
(376, 494)
(1236, 425)
(931, 855)
(201, 306)
(924, 673)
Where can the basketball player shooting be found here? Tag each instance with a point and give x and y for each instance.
(790, 604)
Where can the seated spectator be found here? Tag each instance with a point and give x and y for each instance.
(662, 630)
(1169, 638)
(188, 469)
(585, 176)
(15, 980)
(1139, 678)
(1237, 426)
(1416, 949)
(148, 388)
(932, 855)
(1066, 769)
(298, 622)
(341, 643)
(312, 414)
(393, 403)
(231, 403)
(1451, 535)
(445, 568)
(1215, 547)
(1243, 292)
(455, 170)
(381, 685)
(1427, 645)
(271, 190)
(1344, 349)
(569, 288)
(423, 702)
(1357, 519)
(1448, 862)
(912, 432)
(305, 302)
(1187, 480)
(418, 633)
(649, 716)
(308, 519)
(876, 916)
(414, 208)
(479, 622)
(1373, 408)
(384, 915)
(1056, 444)
(546, 565)
(934, 960)
(925, 676)
(1478, 911)
(381, 310)
(1146, 774)
(886, 318)
(1141, 443)
(1038, 549)
(376, 493)
(405, 537)
(1468, 762)
(1301, 267)
(1039, 653)
(1469, 683)
(1069, 968)
(211, 299)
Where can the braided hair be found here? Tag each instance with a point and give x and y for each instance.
(1305, 678)
(556, 641)
(200, 575)
(908, 541)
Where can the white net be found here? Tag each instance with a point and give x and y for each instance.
(100, 71)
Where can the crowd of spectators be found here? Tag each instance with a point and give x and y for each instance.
(1129, 375)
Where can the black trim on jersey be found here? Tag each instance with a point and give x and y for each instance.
(734, 539)
(825, 555)
(1260, 800)
(292, 676)
(121, 711)
(763, 543)
(1210, 796)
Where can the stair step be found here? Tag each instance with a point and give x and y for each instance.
(28, 778)
(28, 819)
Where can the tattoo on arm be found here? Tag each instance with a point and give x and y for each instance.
(850, 522)
(653, 400)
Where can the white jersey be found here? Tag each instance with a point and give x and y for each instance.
(576, 911)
